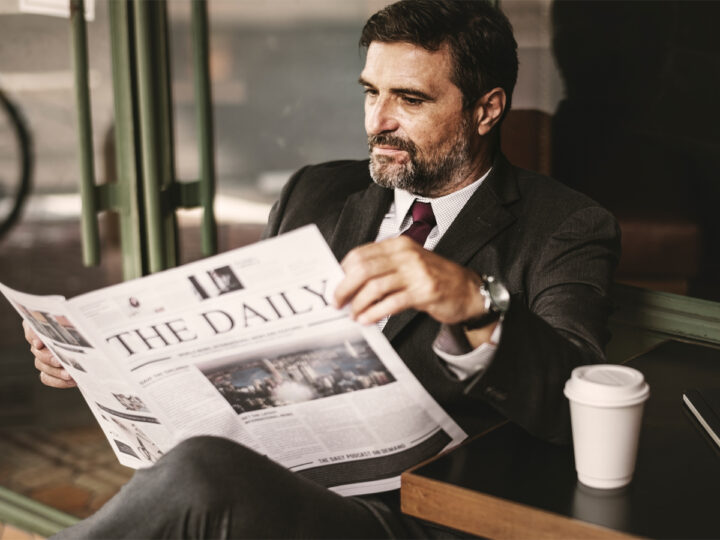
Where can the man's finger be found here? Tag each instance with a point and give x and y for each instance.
(45, 356)
(30, 336)
(390, 305)
(49, 380)
(373, 250)
(55, 372)
(357, 275)
(373, 260)
(373, 291)
(379, 252)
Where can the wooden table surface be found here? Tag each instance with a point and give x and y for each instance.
(508, 484)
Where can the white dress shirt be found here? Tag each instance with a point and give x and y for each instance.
(446, 208)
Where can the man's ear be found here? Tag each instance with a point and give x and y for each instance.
(489, 110)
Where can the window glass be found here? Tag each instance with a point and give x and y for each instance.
(624, 116)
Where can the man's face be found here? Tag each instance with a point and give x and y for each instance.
(419, 136)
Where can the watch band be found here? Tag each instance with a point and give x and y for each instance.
(482, 320)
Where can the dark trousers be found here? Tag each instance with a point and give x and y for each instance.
(209, 487)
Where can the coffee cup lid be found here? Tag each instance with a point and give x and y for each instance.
(607, 385)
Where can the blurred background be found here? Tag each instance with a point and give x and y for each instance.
(616, 98)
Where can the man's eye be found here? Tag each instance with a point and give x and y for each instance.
(370, 92)
(412, 101)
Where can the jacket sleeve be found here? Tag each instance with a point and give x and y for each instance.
(560, 322)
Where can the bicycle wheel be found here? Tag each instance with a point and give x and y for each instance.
(16, 163)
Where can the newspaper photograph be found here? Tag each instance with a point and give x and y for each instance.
(246, 345)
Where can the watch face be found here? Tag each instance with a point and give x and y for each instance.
(499, 294)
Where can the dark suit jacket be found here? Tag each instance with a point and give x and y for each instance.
(554, 248)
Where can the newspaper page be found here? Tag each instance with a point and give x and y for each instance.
(246, 345)
(133, 430)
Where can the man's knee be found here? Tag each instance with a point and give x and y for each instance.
(192, 472)
(201, 450)
(206, 471)
(212, 487)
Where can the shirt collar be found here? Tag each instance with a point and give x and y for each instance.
(445, 208)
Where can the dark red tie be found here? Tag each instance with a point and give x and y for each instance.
(423, 222)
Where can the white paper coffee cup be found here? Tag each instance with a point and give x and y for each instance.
(606, 405)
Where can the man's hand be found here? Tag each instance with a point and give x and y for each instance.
(385, 278)
(52, 373)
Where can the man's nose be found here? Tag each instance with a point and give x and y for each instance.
(380, 117)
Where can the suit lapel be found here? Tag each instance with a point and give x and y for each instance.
(483, 217)
(360, 219)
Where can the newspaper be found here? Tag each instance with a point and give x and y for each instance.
(246, 345)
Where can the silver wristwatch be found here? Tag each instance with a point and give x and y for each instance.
(497, 302)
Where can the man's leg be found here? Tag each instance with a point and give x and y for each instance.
(208, 487)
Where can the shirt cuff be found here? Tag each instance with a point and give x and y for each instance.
(453, 347)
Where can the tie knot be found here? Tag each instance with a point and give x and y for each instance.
(422, 212)
(423, 222)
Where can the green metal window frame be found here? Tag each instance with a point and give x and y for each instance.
(32, 516)
(147, 193)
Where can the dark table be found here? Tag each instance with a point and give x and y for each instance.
(508, 484)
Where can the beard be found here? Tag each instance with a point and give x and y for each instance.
(424, 173)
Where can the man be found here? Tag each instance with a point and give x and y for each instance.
(438, 80)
